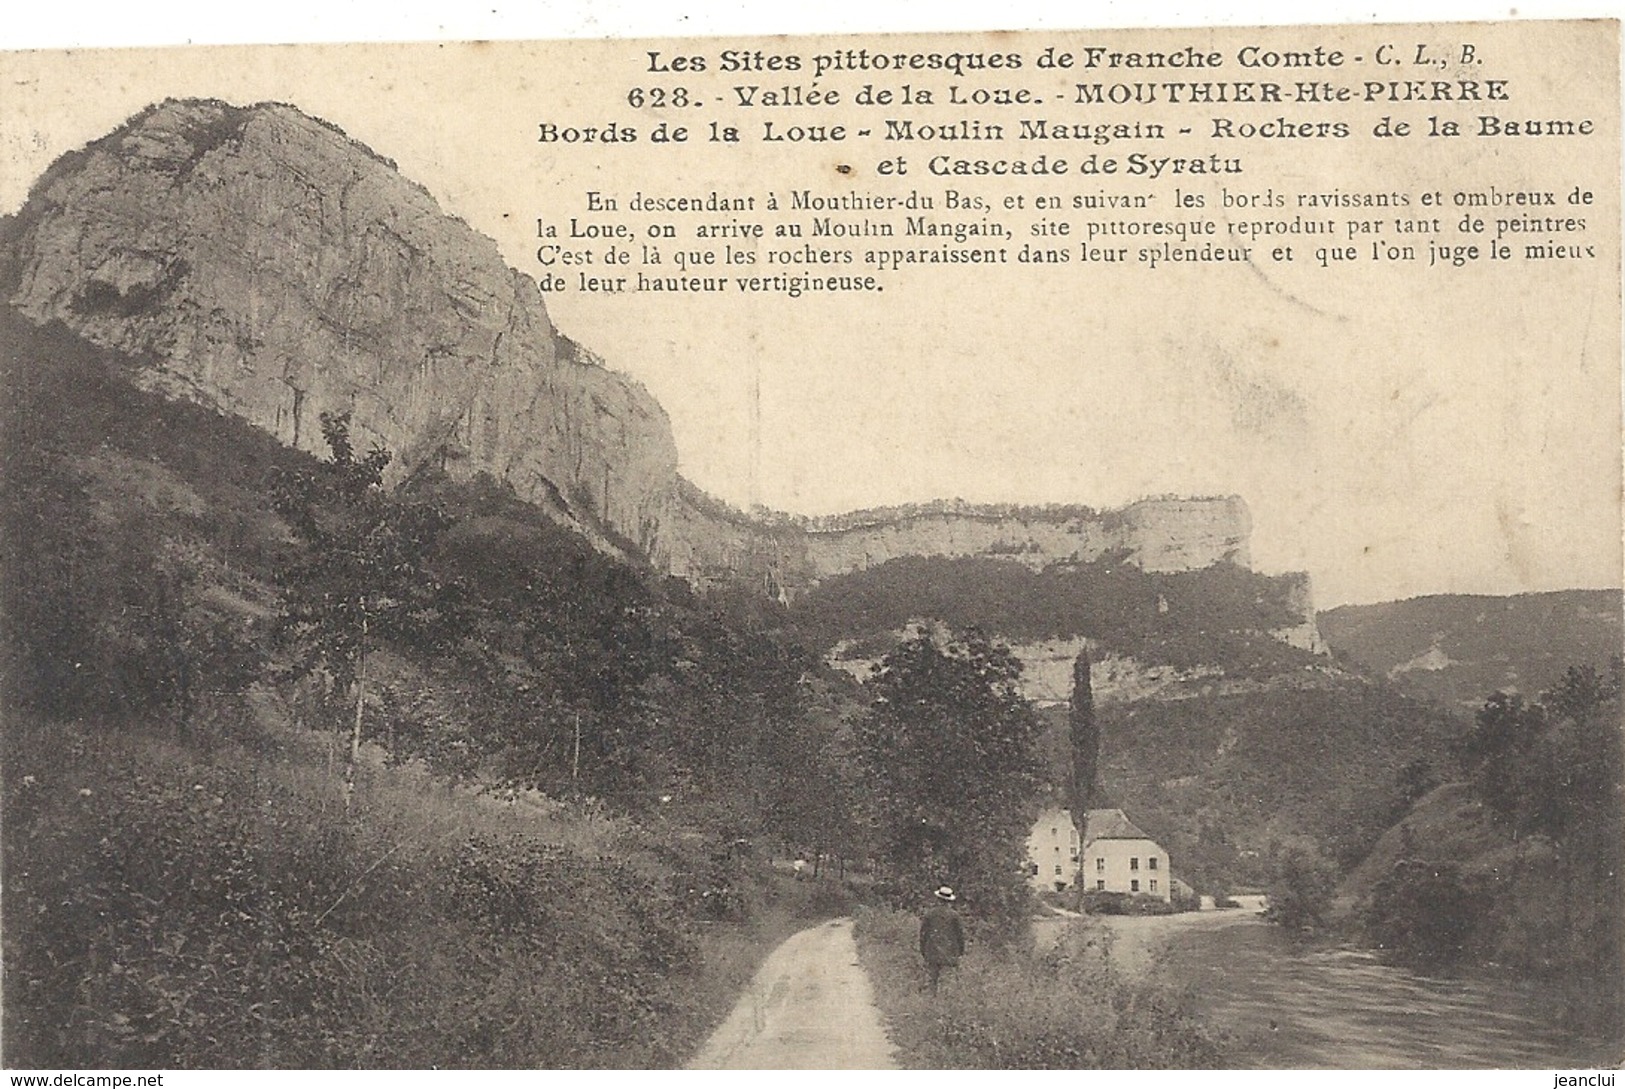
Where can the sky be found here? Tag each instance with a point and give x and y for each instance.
(1457, 432)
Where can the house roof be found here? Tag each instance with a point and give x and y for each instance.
(1109, 824)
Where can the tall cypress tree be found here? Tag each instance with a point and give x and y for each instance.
(1085, 735)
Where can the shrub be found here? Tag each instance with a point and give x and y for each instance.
(1422, 911)
(1185, 900)
(827, 899)
(1101, 902)
(1300, 887)
(711, 887)
(1015, 1009)
(1145, 904)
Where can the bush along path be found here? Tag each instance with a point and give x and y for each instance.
(810, 1007)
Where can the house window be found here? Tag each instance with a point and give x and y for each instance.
(1100, 884)
(1100, 864)
(1153, 884)
(1134, 886)
(1151, 863)
(1057, 870)
(1074, 854)
(1133, 863)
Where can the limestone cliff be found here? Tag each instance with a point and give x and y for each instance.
(708, 543)
(260, 261)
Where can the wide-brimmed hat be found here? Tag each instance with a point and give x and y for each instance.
(945, 893)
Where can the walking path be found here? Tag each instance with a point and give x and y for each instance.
(810, 1007)
(1137, 939)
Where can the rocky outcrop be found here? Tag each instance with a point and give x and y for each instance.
(1301, 601)
(259, 261)
(262, 262)
(708, 543)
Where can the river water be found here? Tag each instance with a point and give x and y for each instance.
(1289, 1005)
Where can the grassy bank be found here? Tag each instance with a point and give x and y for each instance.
(167, 910)
(1012, 1009)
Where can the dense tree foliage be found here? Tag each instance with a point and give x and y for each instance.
(587, 675)
(1473, 644)
(1215, 776)
(1551, 767)
(1219, 615)
(1414, 780)
(1553, 773)
(150, 546)
(1423, 911)
(1524, 866)
(948, 745)
(361, 578)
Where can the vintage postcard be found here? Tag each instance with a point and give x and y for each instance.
(1038, 549)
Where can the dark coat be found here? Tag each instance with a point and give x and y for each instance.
(942, 939)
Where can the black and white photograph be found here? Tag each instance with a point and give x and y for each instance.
(1025, 549)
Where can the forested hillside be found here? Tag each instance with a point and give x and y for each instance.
(1245, 741)
(1456, 648)
(200, 621)
(1218, 779)
(1518, 861)
(1220, 615)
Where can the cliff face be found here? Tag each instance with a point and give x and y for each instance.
(708, 545)
(260, 261)
(266, 264)
(1304, 635)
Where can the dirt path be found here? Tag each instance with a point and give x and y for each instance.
(810, 1007)
(1137, 939)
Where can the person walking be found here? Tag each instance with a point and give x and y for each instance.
(942, 938)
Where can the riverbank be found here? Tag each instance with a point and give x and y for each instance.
(1283, 1002)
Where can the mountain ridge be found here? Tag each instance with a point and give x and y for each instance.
(1456, 649)
(265, 263)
